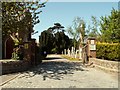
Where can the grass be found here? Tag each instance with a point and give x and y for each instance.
(70, 58)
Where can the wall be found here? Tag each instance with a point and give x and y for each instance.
(0, 34)
(106, 65)
(11, 66)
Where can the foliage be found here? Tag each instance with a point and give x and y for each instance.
(62, 41)
(110, 27)
(56, 28)
(93, 29)
(54, 39)
(77, 30)
(18, 54)
(46, 40)
(20, 16)
(108, 51)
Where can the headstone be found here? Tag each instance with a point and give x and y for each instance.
(72, 52)
(80, 53)
(76, 53)
(68, 52)
(65, 51)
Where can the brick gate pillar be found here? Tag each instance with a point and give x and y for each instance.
(33, 51)
(91, 49)
(27, 51)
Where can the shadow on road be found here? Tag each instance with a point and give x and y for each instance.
(54, 69)
(52, 58)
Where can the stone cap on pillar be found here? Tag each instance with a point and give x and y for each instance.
(33, 39)
(91, 38)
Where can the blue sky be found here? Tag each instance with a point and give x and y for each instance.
(65, 12)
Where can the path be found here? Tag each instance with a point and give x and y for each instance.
(56, 72)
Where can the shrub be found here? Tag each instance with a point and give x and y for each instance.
(108, 51)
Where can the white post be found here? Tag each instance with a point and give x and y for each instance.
(62, 52)
(68, 52)
(80, 53)
(72, 52)
(76, 54)
(65, 51)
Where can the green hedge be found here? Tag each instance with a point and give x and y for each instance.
(108, 51)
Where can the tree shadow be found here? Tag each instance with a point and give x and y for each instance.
(54, 69)
(52, 58)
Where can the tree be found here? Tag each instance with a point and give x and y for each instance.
(62, 41)
(56, 28)
(110, 27)
(20, 16)
(46, 41)
(77, 30)
(54, 39)
(93, 29)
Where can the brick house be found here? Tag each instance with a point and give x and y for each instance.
(8, 43)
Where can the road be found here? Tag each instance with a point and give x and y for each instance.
(57, 72)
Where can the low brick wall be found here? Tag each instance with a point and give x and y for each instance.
(11, 66)
(110, 66)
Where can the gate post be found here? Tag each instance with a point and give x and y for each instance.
(33, 52)
(91, 52)
(27, 51)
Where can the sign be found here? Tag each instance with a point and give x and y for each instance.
(26, 46)
(92, 47)
(92, 42)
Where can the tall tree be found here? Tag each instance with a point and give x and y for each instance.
(46, 41)
(62, 41)
(93, 29)
(54, 39)
(20, 16)
(110, 27)
(56, 28)
(77, 30)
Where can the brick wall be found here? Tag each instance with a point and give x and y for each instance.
(11, 66)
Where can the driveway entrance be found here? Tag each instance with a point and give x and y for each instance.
(57, 72)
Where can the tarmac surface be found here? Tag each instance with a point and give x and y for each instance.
(57, 72)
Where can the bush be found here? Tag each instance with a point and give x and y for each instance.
(108, 51)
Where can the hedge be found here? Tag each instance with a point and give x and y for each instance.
(108, 51)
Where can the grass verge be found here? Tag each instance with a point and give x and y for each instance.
(70, 58)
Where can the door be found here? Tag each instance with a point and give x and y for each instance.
(9, 48)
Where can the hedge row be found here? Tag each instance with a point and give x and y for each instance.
(108, 51)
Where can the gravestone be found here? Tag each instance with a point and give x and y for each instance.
(80, 52)
(76, 53)
(62, 52)
(68, 52)
(72, 52)
(65, 51)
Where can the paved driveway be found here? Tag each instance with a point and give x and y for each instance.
(56, 72)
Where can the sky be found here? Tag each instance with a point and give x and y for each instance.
(65, 12)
